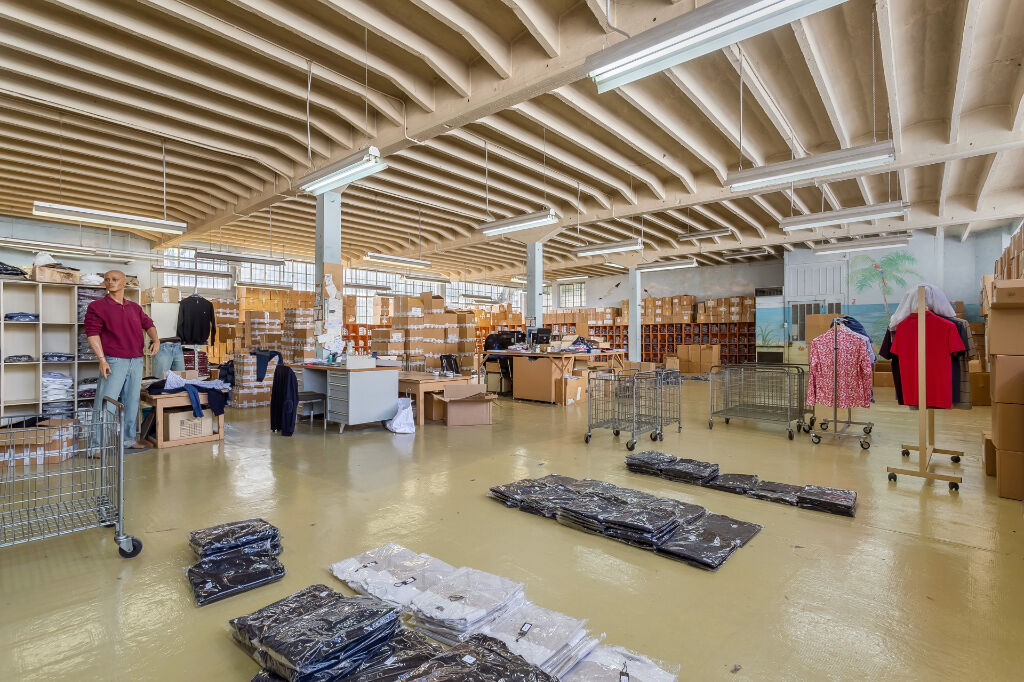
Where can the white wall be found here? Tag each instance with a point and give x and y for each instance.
(703, 282)
(46, 231)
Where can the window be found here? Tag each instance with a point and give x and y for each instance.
(546, 298)
(185, 259)
(296, 274)
(572, 295)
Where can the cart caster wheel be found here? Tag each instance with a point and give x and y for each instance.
(815, 438)
(892, 477)
(586, 438)
(905, 452)
(630, 445)
(811, 423)
(823, 426)
(661, 436)
(865, 444)
(711, 424)
(654, 435)
(791, 433)
(616, 432)
(867, 430)
(955, 459)
(954, 486)
(136, 548)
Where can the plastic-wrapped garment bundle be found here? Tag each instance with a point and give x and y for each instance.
(217, 540)
(588, 513)
(648, 461)
(611, 664)
(216, 579)
(58, 357)
(57, 386)
(555, 479)
(392, 573)
(403, 653)
(738, 484)
(640, 526)
(479, 659)
(61, 410)
(686, 513)
(570, 657)
(512, 493)
(710, 541)
(267, 676)
(690, 471)
(464, 603)
(330, 642)
(19, 358)
(249, 629)
(21, 317)
(547, 502)
(783, 493)
(831, 500)
(539, 635)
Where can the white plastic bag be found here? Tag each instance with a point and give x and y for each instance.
(403, 421)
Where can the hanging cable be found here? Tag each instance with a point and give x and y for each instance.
(874, 97)
(544, 152)
(309, 91)
(487, 194)
(163, 161)
(270, 223)
(60, 176)
(366, 82)
(741, 110)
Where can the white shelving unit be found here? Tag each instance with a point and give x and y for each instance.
(56, 331)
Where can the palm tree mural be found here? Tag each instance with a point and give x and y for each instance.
(892, 268)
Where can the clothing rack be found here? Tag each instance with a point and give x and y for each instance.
(841, 428)
(925, 418)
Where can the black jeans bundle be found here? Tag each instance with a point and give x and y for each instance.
(818, 498)
(480, 659)
(233, 558)
(670, 527)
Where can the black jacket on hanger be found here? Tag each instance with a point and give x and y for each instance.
(196, 324)
(284, 400)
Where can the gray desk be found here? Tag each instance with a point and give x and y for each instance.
(354, 396)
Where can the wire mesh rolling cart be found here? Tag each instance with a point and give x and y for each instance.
(61, 476)
(760, 391)
(634, 401)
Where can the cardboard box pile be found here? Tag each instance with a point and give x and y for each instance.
(51, 441)
(249, 392)
(732, 309)
(262, 330)
(272, 300)
(160, 295)
(298, 340)
(1011, 264)
(1006, 345)
(698, 358)
(669, 309)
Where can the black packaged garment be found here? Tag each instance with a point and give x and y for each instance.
(330, 642)
(556, 479)
(709, 542)
(739, 484)
(546, 502)
(783, 493)
(404, 652)
(648, 462)
(267, 676)
(249, 629)
(831, 500)
(197, 325)
(479, 659)
(511, 494)
(217, 540)
(587, 513)
(216, 579)
(690, 471)
(641, 526)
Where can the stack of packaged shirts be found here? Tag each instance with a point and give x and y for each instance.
(464, 603)
(478, 659)
(50, 356)
(316, 634)
(61, 410)
(21, 317)
(87, 295)
(552, 641)
(233, 558)
(84, 349)
(611, 664)
(739, 484)
(783, 493)
(392, 573)
(403, 653)
(588, 513)
(690, 471)
(709, 542)
(511, 494)
(831, 500)
(19, 358)
(648, 462)
(57, 386)
(87, 387)
(646, 525)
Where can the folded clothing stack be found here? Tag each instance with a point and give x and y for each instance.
(552, 641)
(608, 663)
(739, 484)
(772, 491)
(479, 659)
(690, 471)
(87, 387)
(87, 295)
(61, 410)
(316, 634)
(587, 513)
(392, 573)
(645, 524)
(831, 500)
(19, 358)
(648, 462)
(50, 356)
(57, 386)
(403, 653)
(710, 541)
(465, 603)
(84, 349)
(22, 317)
(233, 558)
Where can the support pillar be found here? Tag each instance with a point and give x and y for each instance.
(534, 283)
(633, 334)
(328, 256)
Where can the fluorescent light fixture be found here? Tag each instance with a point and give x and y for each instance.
(91, 215)
(261, 285)
(814, 167)
(859, 214)
(747, 254)
(189, 271)
(478, 299)
(609, 247)
(521, 279)
(667, 265)
(520, 222)
(346, 171)
(706, 234)
(396, 260)
(575, 278)
(30, 245)
(617, 266)
(698, 32)
(428, 279)
(865, 244)
(368, 287)
(238, 257)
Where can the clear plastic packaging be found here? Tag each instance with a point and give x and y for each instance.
(739, 484)
(615, 664)
(539, 635)
(403, 653)
(210, 542)
(690, 471)
(648, 461)
(710, 541)
(464, 603)
(831, 500)
(772, 491)
(392, 573)
(249, 629)
(479, 659)
(226, 576)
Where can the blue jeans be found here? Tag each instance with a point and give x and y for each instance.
(123, 385)
(168, 357)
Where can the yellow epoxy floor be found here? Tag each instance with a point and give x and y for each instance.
(923, 584)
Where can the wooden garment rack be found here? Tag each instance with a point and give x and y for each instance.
(925, 418)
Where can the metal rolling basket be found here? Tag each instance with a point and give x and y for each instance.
(765, 392)
(65, 476)
(634, 401)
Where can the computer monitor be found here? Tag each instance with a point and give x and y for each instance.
(538, 335)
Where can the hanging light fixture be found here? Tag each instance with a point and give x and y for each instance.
(667, 265)
(575, 278)
(522, 222)
(346, 171)
(206, 254)
(891, 209)
(396, 260)
(747, 254)
(426, 279)
(706, 234)
(609, 247)
(863, 244)
(814, 167)
(97, 217)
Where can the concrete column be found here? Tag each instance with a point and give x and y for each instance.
(534, 282)
(634, 291)
(940, 256)
(556, 295)
(328, 250)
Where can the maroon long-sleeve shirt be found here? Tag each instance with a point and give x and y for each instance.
(119, 326)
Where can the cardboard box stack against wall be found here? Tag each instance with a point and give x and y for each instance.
(1004, 303)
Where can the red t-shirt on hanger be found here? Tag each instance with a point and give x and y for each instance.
(942, 339)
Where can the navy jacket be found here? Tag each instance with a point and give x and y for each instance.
(284, 399)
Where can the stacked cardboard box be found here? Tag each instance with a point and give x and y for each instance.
(298, 338)
(669, 309)
(465, 323)
(51, 441)
(504, 316)
(248, 391)
(698, 358)
(1011, 264)
(381, 310)
(272, 300)
(230, 330)
(262, 330)
(387, 341)
(732, 309)
(160, 295)
(1006, 346)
